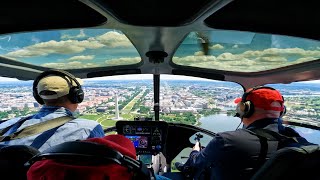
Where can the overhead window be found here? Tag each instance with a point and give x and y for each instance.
(244, 51)
(70, 49)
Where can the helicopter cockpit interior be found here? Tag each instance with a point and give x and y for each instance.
(165, 73)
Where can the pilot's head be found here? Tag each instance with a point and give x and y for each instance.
(258, 103)
(58, 88)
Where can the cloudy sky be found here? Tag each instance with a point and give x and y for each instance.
(228, 50)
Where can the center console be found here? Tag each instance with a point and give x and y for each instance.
(148, 137)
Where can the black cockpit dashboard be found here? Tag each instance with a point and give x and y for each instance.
(154, 137)
(148, 137)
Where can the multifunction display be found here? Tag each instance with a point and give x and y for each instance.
(148, 137)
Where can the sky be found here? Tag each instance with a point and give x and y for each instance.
(85, 48)
(88, 48)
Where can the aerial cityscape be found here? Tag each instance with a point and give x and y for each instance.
(181, 101)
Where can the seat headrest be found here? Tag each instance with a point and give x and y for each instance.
(13, 158)
(291, 163)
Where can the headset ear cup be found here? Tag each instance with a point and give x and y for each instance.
(35, 90)
(76, 95)
(249, 109)
(240, 109)
(80, 95)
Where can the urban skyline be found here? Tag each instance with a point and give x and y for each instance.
(198, 98)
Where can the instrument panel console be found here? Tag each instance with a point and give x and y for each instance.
(148, 137)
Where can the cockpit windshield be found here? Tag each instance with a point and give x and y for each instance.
(194, 101)
(244, 51)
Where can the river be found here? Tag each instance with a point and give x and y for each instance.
(219, 122)
(222, 122)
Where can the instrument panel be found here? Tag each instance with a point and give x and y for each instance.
(148, 137)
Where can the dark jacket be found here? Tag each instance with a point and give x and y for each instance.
(234, 154)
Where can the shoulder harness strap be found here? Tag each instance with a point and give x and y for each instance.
(36, 128)
(20, 121)
(266, 135)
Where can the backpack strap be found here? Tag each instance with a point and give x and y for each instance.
(266, 135)
(36, 128)
(263, 138)
(286, 138)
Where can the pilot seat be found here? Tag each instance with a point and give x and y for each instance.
(291, 163)
(112, 157)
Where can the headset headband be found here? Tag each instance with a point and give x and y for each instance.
(245, 95)
(58, 72)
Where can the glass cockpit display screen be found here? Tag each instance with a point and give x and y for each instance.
(148, 137)
(139, 141)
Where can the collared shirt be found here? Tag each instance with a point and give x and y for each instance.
(76, 129)
(230, 153)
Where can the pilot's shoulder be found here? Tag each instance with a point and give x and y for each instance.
(9, 122)
(236, 134)
(85, 122)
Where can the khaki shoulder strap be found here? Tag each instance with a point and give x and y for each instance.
(37, 128)
(20, 121)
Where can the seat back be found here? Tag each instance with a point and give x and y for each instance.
(291, 163)
(12, 160)
(85, 160)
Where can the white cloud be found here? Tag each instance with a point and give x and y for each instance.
(216, 46)
(59, 47)
(282, 52)
(70, 65)
(199, 53)
(110, 39)
(250, 61)
(114, 39)
(78, 36)
(81, 58)
(227, 57)
(270, 59)
(123, 61)
(80, 64)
